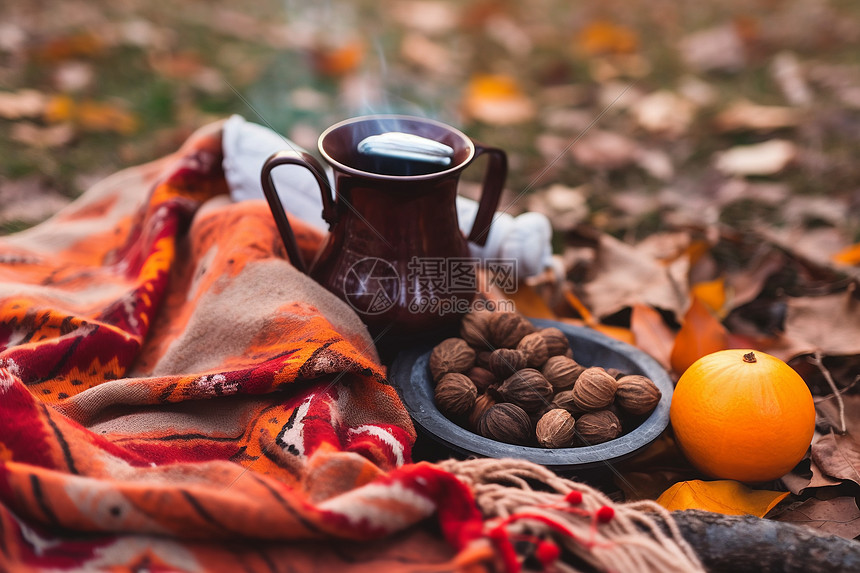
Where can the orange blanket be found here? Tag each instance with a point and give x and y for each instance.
(174, 396)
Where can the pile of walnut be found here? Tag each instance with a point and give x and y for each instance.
(510, 382)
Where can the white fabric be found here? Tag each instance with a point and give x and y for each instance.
(526, 238)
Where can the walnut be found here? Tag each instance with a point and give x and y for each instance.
(594, 389)
(481, 377)
(506, 361)
(555, 429)
(561, 372)
(637, 394)
(564, 400)
(455, 394)
(556, 341)
(597, 427)
(615, 373)
(483, 359)
(451, 355)
(483, 403)
(506, 423)
(534, 347)
(527, 389)
(475, 329)
(508, 328)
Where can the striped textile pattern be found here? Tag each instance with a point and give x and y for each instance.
(175, 396)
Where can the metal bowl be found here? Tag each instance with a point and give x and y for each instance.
(410, 374)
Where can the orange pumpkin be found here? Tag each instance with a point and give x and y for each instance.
(742, 415)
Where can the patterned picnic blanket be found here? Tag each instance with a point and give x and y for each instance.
(175, 396)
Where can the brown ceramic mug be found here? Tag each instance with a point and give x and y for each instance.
(394, 238)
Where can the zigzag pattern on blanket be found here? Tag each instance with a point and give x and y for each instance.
(165, 372)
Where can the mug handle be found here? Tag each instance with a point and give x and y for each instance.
(307, 161)
(494, 183)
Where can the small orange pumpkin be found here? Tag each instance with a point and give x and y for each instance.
(742, 415)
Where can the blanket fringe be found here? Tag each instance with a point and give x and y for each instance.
(533, 526)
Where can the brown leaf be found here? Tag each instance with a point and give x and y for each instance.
(839, 516)
(665, 113)
(744, 115)
(23, 103)
(625, 275)
(605, 150)
(719, 48)
(767, 158)
(828, 323)
(797, 481)
(651, 333)
(42, 137)
(838, 456)
(701, 334)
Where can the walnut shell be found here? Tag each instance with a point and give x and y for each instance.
(455, 394)
(555, 429)
(508, 328)
(475, 329)
(481, 377)
(506, 423)
(451, 355)
(556, 341)
(594, 389)
(506, 361)
(637, 394)
(597, 427)
(534, 347)
(483, 403)
(561, 372)
(564, 400)
(527, 389)
(483, 359)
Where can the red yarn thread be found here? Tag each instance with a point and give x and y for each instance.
(506, 550)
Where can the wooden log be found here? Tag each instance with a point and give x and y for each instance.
(745, 543)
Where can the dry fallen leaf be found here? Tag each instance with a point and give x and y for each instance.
(767, 158)
(420, 51)
(565, 207)
(744, 115)
(91, 115)
(839, 516)
(42, 137)
(722, 496)
(427, 16)
(22, 104)
(624, 275)
(651, 333)
(838, 456)
(605, 150)
(498, 100)
(665, 113)
(713, 294)
(791, 79)
(701, 334)
(828, 323)
(604, 37)
(799, 479)
(715, 49)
